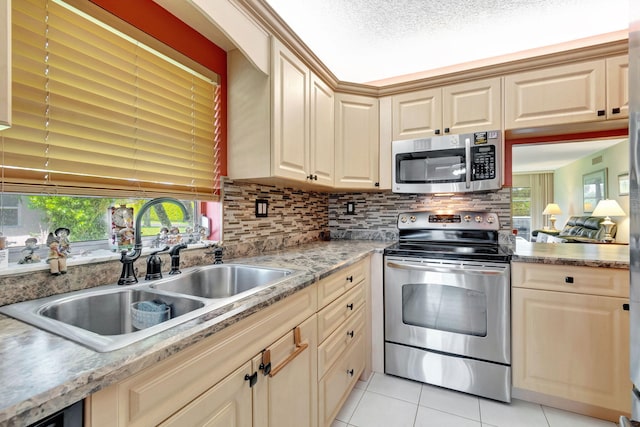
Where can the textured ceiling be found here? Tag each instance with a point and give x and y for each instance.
(549, 157)
(367, 40)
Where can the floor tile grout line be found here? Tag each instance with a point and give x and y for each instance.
(415, 417)
(544, 413)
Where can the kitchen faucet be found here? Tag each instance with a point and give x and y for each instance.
(128, 275)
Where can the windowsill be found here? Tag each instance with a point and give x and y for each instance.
(93, 257)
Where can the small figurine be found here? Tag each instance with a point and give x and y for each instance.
(62, 235)
(28, 253)
(163, 237)
(174, 236)
(56, 258)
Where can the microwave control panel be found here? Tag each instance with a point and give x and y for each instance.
(483, 162)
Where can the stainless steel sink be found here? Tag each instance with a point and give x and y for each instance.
(101, 318)
(222, 280)
(111, 313)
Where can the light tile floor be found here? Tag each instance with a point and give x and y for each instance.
(387, 401)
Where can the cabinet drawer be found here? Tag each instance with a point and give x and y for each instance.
(339, 311)
(346, 334)
(334, 388)
(566, 278)
(333, 286)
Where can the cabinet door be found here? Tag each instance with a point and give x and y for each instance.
(322, 137)
(473, 106)
(227, 404)
(290, 114)
(572, 346)
(557, 95)
(356, 141)
(287, 397)
(417, 114)
(618, 87)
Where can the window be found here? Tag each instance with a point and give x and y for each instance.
(97, 113)
(9, 210)
(521, 211)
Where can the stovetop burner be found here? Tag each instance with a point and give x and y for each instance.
(463, 235)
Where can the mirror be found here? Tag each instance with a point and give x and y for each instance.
(554, 172)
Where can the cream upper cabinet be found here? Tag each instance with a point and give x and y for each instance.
(580, 92)
(322, 133)
(280, 126)
(357, 141)
(5, 65)
(291, 86)
(464, 107)
(618, 87)
(570, 336)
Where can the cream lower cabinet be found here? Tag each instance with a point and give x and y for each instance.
(210, 383)
(344, 348)
(466, 107)
(570, 338)
(356, 141)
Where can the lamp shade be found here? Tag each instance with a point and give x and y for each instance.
(608, 207)
(552, 209)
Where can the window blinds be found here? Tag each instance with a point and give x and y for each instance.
(97, 113)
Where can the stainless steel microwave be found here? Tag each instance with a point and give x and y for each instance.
(448, 164)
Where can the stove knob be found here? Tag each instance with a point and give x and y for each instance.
(491, 219)
(403, 219)
(478, 218)
(467, 218)
(413, 218)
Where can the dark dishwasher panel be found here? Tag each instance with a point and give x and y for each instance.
(71, 416)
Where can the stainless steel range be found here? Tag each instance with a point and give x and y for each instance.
(447, 303)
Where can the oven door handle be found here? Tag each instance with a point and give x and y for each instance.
(444, 269)
(468, 163)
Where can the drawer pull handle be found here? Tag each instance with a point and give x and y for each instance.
(350, 372)
(300, 347)
(568, 279)
(253, 379)
(615, 110)
(350, 333)
(625, 307)
(350, 306)
(265, 365)
(350, 279)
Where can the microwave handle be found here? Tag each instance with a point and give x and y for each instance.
(467, 156)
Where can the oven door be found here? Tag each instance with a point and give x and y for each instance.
(460, 308)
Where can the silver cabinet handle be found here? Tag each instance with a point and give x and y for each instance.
(443, 269)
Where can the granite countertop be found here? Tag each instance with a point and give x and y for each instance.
(43, 373)
(579, 254)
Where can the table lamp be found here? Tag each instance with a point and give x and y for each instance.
(552, 209)
(608, 208)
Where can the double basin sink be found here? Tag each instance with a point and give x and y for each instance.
(103, 319)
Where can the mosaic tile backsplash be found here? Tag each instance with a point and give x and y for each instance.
(376, 213)
(294, 217)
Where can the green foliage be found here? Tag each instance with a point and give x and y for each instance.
(85, 217)
(521, 201)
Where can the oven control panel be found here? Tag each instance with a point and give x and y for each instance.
(465, 220)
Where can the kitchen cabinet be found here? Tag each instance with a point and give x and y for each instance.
(570, 337)
(356, 141)
(573, 93)
(280, 126)
(210, 381)
(342, 337)
(5, 65)
(465, 107)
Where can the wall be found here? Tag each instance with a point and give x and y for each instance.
(568, 185)
(376, 214)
